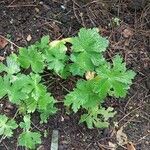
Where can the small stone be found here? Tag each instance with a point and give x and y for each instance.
(29, 38)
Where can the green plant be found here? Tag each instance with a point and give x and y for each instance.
(27, 138)
(110, 78)
(21, 81)
(86, 51)
(7, 126)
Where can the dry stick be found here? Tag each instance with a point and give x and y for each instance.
(36, 127)
(2, 138)
(12, 6)
(129, 100)
(9, 41)
(11, 2)
(5, 145)
(142, 138)
(128, 114)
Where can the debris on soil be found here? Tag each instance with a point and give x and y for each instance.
(130, 146)
(2, 58)
(29, 37)
(130, 39)
(3, 42)
(127, 33)
(121, 137)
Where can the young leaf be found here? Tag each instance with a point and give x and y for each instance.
(97, 117)
(37, 95)
(82, 96)
(44, 101)
(44, 42)
(7, 126)
(56, 56)
(31, 57)
(4, 86)
(2, 67)
(89, 40)
(12, 66)
(27, 138)
(45, 113)
(16, 92)
(115, 79)
(87, 48)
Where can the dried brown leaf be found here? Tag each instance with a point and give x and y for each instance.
(121, 137)
(130, 146)
(3, 42)
(89, 75)
(127, 33)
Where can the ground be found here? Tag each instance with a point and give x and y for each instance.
(129, 36)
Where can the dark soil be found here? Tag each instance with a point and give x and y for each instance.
(131, 38)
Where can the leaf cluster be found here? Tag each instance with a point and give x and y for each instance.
(21, 81)
(110, 78)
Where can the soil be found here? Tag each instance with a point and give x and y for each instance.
(130, 37)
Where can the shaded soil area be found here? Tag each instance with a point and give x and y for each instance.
(126, 24)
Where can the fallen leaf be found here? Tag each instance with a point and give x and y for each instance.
(112, 146)
(2, 58)
(29, 38)
(127, 33)
(3, 42)
(89, 75)
(130, 146)
(121, 137)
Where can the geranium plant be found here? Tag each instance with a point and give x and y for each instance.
(21, 82)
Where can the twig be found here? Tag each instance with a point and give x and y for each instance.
(64, 87)
(5, 145)
(12, 6)
(11, 2)
(16, 114)
(2, 138)
(128, 114)
(142, 138)
(36, 127)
